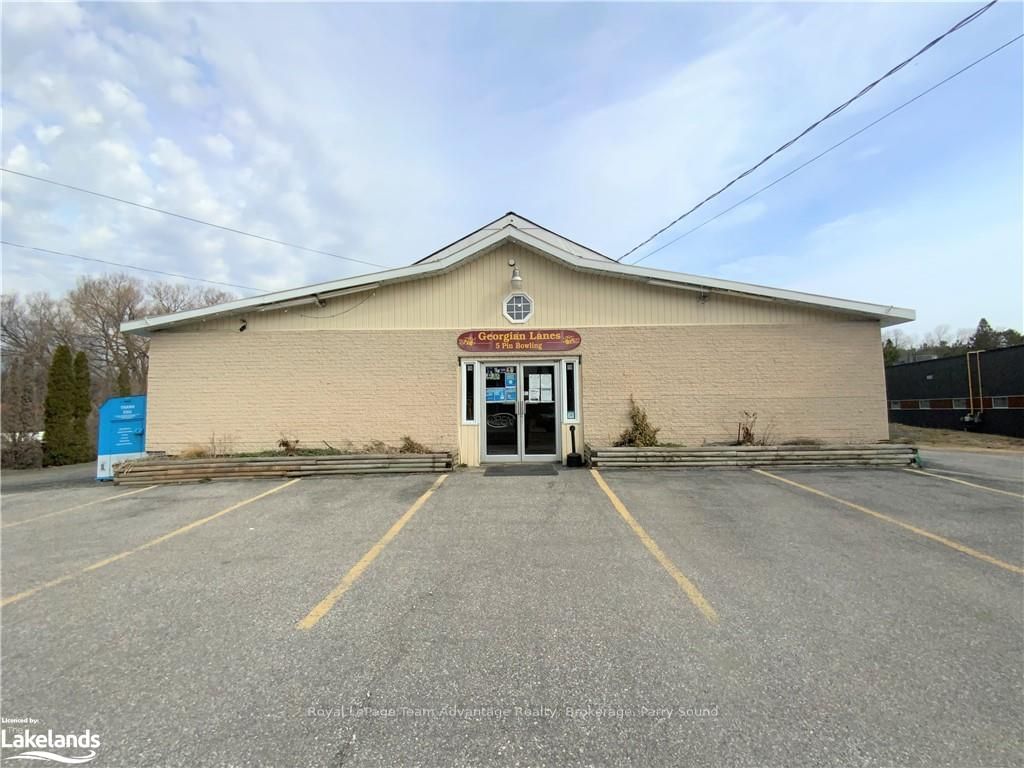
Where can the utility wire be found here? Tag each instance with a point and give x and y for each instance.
(834, 146)
(959, 25)
(186, 218)
(130, 266)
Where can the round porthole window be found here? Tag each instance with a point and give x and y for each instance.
(518, 307)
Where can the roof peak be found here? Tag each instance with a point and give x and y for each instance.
(548, 235)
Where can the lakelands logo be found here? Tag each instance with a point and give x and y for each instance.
(38, 746)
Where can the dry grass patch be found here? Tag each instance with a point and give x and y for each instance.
(952, 438)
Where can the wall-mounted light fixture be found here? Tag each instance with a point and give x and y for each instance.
(517, 280)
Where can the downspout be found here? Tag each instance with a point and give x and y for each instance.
(970, 388)
(975, 416)
(981, 392)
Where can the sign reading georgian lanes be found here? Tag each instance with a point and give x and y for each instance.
(526, 340)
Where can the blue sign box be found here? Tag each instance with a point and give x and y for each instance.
(122, 433)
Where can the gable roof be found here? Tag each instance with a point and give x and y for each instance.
(514, 228)
(523, 223)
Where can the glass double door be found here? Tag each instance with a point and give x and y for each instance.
(520, 412)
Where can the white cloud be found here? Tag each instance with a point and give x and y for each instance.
(24, 20)
(892, 255)
(89, 117)
(652, 155)
(740, 216)
(18, 158)
(168, 155)
(120, 153)
(357, 133)
(186, 95)
(97, 236)
(122, 169)
(44, 93)
(46, 134)
(238, 120)
(121, 101)
(29, 28)
(220, 146)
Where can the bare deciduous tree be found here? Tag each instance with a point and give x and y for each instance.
(167, 298)
(87, 319)
(940, 336)
(100, 305)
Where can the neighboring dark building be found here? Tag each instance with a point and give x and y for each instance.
(980, 391)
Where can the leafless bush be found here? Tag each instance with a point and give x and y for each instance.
(288, 444)
(640, 433)
(216, 447)
(221, 445)
(411, 446)
(746, 431)
(195, 451)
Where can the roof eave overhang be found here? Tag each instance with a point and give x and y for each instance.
(888, 315)
(312, 293)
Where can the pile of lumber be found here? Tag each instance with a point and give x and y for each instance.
(756, 456)
(170, 470)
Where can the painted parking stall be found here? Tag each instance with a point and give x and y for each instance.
(847, 609)
(516, 616)
(974, 522)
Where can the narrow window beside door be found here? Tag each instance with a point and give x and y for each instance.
(469, 393)
(570, 391)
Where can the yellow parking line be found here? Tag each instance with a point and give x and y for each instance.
(320, 609)
(964, 482)
(684, 583)
(76, 508)
(159, 540)
(913, 528)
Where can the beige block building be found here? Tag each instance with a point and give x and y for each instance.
(500, 345)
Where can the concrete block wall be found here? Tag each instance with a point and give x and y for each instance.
(820, 381)
(823, 382)
(346, 388)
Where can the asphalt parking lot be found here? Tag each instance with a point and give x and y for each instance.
(694, 617)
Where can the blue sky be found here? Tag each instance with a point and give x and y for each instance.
(385, 131)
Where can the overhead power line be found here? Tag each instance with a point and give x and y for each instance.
(959, 25)
(186, 218)
(131, 266)
(825, 152)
